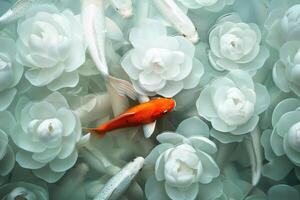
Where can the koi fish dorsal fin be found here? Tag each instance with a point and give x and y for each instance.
(149, 129)
(123, 87)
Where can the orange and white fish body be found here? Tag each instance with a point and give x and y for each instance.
(142, 114)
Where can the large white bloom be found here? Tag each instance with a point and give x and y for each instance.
(181, 165)
(160, 64)
(236, 45)
(10, 72)
(286, 71)
(232, 104)
(283, 23)
(51, 44)
(46, 135)
(184, 164)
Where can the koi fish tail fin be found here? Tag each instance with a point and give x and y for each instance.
(123, 87)
(94, 131)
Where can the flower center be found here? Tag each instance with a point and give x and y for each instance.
(184, 168)
(20, 197)
(231, 46)
(236, 109)
(294, 137)
(20, 193)
(153, 59)
(182, 165)
(158, 60)
(49, 129)
(232, 43)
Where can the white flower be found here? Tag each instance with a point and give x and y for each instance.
(282, 24)
(286, 71)
(23, 190)
(181, 166)
(46, 136)
(293, 137)
(160, 64)
(290, 23)
(184, 164)
(232, 104)
(10, 72)
(236, 108)
(236, 45)
(211, 5)
(51, 44)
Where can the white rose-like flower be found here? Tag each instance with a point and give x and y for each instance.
(290, 23)
(236, 108)
(184, 165)
(286, 71)
(211, 5)
(293, 137)
(232, 104)
(236, 45)
(283, 23)
(181, 165)
(160, 64)
(10, 72)
(46, 136)
(51, 44)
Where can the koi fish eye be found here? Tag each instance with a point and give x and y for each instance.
(165, 112)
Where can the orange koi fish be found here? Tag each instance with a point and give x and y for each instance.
(142, 114)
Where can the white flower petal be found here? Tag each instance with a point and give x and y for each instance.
(149, 78)
(61, 165)
(171, 89)
(66, 79)
(128, 66)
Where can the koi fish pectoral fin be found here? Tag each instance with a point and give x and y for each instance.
(123, 87)
(149, 129)
(93, 131)
(128, 114)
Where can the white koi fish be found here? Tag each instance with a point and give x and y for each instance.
(18, 10)
(118, 184)
(123, 7)
(181, 22)
(93, 20)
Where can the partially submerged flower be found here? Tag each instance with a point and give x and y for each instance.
(210, 5)
(7, 156)
(46, 134)
(282, 25)
(282, 144)
(161, 64)
(278, 192)
(23, 190)
(286, 71)
(183, 163)
(51, 45)
(282, 191)
(232, 104)
(236, 45)
(10, 72)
